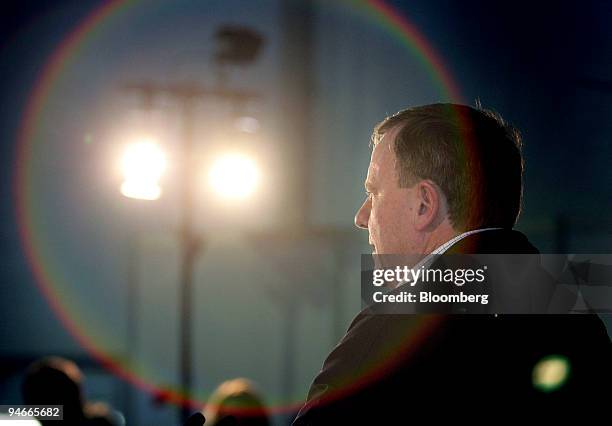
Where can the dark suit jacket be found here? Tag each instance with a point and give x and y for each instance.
(393, 369)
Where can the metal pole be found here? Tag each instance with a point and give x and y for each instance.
(290, 327)
(297, 62)
(189, 248)
(132, 318)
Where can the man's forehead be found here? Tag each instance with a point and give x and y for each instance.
(383, 157)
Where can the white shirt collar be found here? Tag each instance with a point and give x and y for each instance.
(456, 239)
(427, 260)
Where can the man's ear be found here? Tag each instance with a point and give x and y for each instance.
(428, 205)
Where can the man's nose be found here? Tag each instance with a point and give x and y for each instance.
(363, 215)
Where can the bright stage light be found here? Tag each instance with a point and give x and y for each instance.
(234, 176)
(143, 161)
(143, 165)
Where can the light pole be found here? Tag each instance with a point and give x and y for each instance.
(186, 95)
(237, 46)
(190, 245)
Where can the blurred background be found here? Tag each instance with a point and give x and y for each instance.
(179, 178)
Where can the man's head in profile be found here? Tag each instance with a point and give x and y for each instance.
(436, 172)
(447, 179)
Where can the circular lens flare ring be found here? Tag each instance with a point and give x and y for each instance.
(379, 11)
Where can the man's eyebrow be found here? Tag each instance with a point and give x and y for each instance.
(368, 186)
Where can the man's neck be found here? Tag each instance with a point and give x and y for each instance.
(441, 235)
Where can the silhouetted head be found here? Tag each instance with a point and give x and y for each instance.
(55, 381)
(236, 402)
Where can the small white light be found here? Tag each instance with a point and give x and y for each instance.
(140, 190)
(143, 164)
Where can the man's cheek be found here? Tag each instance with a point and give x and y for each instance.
(375, 225)
(380, 233)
